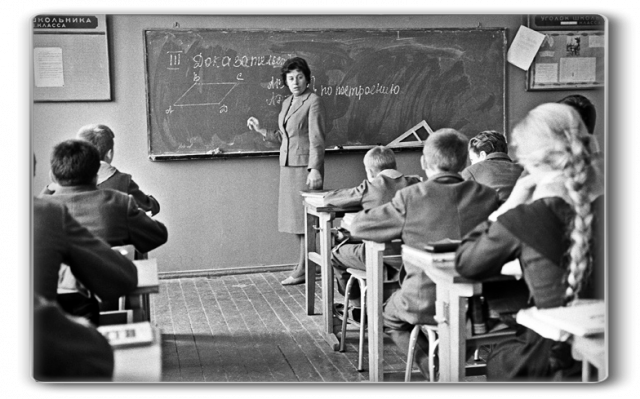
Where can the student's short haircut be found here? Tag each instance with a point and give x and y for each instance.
(380, 158)
(446, 149)
(100, 136)
(584, 107)
(488, 141)
(291, 65)
(75, 162)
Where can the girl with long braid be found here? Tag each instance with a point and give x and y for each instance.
(553, 223)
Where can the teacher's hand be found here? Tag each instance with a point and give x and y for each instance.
(314, 180)
(254, 124)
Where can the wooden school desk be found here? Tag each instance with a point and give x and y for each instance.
(139, 363)
(374, 252)
(452, 291)
(591, 351)
(582, 326)
(148, 283)
(317, 225)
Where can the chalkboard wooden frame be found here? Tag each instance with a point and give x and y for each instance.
(494, 37)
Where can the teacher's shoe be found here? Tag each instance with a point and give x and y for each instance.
(293, 280)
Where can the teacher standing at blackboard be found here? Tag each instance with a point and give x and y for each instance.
(301, 134)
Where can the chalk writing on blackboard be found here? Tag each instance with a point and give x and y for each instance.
(202, 85)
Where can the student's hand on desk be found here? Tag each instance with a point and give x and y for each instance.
(314, 180)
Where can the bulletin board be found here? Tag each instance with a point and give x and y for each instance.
(70, 57)
(569, 60)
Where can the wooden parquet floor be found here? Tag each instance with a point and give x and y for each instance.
(249, 328)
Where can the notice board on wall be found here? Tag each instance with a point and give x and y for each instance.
(569, 60)
(375, 85)
(70, 58)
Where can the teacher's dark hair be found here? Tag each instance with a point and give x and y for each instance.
(295, 63)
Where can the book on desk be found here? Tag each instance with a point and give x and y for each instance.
(125, 335)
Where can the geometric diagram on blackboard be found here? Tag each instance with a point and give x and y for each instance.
(414, 137)
(205, 94)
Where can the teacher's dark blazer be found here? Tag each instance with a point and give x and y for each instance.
(301, 132)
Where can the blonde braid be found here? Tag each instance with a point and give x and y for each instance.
(553, 137)
(576, 169)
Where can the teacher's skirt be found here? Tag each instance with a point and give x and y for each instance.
(293, 179)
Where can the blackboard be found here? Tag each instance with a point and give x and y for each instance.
(202, 85)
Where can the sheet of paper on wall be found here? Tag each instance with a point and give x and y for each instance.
(524, 47)
(47, 67)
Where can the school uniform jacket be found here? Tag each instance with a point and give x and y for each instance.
(301, 132)
(59, 238)
(445, 206)
(111, 178)
(535, 234)
(112, 216)
(371, 194)
(65, 349)
(497, 171)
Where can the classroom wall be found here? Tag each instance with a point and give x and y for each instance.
(223, 213)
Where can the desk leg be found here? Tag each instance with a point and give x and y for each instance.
(327, 282)
(147, 306)
(309, 269)
(444, 333)
(458, 337)
(137, 306)
(374, 253)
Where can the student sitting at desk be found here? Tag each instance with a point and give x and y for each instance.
(490, 164)
(110, 215)
(66, 348)
(444, 206)
(58, 238)
(553, 223)
(383, 181)
(109, 177)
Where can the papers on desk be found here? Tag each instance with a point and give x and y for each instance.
(134, 334)
(587, 318)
